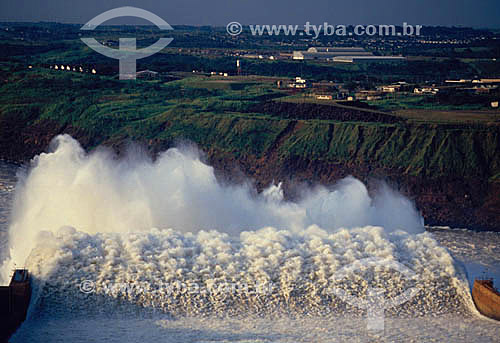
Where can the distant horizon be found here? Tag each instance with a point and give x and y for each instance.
(218, 13)
(224, 26)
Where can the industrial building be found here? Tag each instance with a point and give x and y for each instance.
(360, 59)
(343, 55)
(325, 53)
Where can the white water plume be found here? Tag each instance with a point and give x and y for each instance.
(97, 192)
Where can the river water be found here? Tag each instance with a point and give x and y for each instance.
(305, 277)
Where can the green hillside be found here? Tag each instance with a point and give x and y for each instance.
(216, 114)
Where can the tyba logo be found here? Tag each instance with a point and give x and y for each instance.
(374, 302)
(127, 53)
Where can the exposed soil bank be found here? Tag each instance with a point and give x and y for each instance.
(469, 201)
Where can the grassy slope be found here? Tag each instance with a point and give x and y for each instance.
(212, 115)
(419, 150)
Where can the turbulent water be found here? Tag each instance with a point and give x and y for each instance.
(129, 249)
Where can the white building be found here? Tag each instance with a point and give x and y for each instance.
(298, 83)
(146, 74)
(426, 90)
(458, 81)
(389, 89)
(324, 97)
(359, 59)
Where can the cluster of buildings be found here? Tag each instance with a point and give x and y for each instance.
(224, 74)
(299, 83)
(481, 81)
(334, 91)
(385, 90)
(74, 68)
(214, 73)
(144, 74)
(343, 55)
(259, 57)
(426, 90)
(478, 86)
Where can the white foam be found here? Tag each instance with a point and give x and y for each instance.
(149, 226)
(302, 268)
(99, 193)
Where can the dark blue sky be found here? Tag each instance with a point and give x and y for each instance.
(477, 13)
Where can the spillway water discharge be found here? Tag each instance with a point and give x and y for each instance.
(130, 249)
